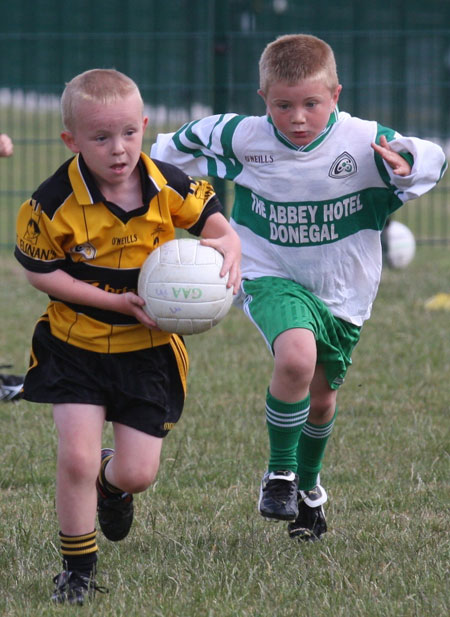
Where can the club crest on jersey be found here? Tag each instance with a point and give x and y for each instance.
(33, 231)
(87, 250)
(343, 167)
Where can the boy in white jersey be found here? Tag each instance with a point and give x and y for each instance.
(313, 190)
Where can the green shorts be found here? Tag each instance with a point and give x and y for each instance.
(274, 305)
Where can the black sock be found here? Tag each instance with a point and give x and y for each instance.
(79, 552)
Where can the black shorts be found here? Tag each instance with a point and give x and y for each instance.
(144, 389)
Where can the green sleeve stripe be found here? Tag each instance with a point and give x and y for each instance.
(395, 202)
(208, 145)
(232, 166)
(443, 170)
(186, 129)
(386, 132)
(390, 135)
(226, 138)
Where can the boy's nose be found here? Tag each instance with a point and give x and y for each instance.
(297, 117)
(117, 146)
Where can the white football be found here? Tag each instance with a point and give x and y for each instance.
(181, 284)
(399, 245)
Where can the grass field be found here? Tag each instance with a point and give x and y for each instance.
(198, 547)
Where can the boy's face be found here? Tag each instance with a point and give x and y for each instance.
(109, 136)
(300, 111)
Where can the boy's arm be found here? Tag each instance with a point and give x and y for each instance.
(218, 233)
(59, 284)
(410, 181)
(203, 147)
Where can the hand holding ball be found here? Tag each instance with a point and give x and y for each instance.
(181, 284)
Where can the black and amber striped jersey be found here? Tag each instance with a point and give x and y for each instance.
(69, 225)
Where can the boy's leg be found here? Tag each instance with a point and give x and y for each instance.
(79, 441)
(149, 393)
(316, 431)
(310, 523)
(287, 408)
(288, 404)
(79, 428)
(135, 463)
(128, 469)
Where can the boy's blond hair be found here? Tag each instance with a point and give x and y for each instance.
(96, 85)
(294, 57)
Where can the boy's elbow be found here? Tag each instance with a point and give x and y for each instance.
(35, 279)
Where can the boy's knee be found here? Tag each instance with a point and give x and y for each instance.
(296, 368)
(136, 480)
(79, 465)
(322, 408)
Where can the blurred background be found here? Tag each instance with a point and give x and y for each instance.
(195, 57)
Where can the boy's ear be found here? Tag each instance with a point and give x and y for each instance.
(69, 140)
(262, 95)
(336, 94)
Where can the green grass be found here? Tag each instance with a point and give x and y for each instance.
(198, 547)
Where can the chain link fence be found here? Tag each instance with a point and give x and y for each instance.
(191, 57)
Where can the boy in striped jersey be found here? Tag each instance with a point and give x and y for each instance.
(96, 355)
(313, 189)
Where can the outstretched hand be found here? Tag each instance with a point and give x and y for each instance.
(6, 145)
(397, 163)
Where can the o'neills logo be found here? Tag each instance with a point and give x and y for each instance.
(262, 159)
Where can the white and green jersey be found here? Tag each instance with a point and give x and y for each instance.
(312, 214)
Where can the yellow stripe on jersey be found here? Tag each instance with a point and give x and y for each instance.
(182, 358)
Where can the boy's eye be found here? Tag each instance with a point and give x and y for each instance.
(100, 138)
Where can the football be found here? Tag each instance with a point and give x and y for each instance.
(399, 245)
(181, 284)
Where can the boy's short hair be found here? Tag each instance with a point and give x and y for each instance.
(294, 57)
(97, 85)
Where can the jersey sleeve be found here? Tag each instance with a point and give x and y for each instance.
(427, 159)
(37, 240)
(190, 201)
(200, 202)
(202, 147)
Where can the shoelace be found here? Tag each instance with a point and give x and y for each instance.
(281, 489)
(76, 581)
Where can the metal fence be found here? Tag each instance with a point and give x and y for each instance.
(192, 57)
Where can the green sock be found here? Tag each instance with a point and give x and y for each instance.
(311, 450)
(284, 424)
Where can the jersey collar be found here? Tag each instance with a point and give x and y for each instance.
(318, 140)
(87, 192)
